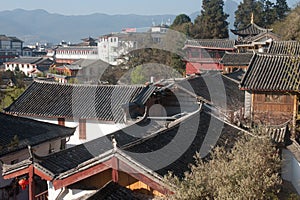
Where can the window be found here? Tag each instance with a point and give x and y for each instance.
(82, 129)
(272, 98)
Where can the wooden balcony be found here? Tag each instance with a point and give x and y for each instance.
(42, 196)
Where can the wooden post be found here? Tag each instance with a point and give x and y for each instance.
(295, 111)
(31, 183)
(115, 169)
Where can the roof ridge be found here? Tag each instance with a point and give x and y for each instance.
(82, 85)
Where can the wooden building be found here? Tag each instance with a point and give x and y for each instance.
(234, 61)
(137, 162)
(203, 55)
(272, 85)
(17, 134)
(254, 38)
(95, 109)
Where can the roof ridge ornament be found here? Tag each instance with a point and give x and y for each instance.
(252, 18)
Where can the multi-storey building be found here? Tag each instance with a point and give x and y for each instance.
(10, 47)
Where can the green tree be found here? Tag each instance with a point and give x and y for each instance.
(211, 23)
(10, 96)
(137, 76)
(281, 9)
(269, 13)
(245, 9)
(183, 24)
(181, 19)
(289, 27)
(250, 170)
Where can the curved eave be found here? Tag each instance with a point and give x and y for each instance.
(203, 47)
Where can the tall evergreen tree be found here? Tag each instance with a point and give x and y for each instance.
(269, 13)
(182, 23)
(212, 21)
(281, 9)
(244, 12)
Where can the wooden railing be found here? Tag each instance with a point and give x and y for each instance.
(42, 196)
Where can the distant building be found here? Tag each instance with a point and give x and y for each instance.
(70, 54)
(231, 61)
(113, 47)
(254, 38)
(28, 64)
(205, 54)
(10, 47)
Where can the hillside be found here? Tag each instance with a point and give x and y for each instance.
(41, 26)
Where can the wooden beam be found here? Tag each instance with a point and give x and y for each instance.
(143, 178)
(42, 175)
(31, 183)
(16, 173)
(59, 183)
(115, 169)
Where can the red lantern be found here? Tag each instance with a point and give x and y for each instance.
(23, 183)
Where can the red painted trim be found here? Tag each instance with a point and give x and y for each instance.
(42, 174)
(82, 175)
(115, 169)
(31, 183)
(17, 173)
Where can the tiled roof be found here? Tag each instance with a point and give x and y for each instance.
(179, 144)
(15, 39)
(261, 37)
(27, 132)
(211, 43)
(284, 47)
(26, 60)
(268, 72)
(112, 191)
(251, 29)
(236, 59)
(70, 158)
(74, 48)
(48, 99)
(89, 62)
(191, 135)
(5, 38)
(236, 75)
(217, 89)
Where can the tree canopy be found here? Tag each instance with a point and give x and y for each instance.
(211, 23)
(250, 170)
(265, 12)
(289, 28)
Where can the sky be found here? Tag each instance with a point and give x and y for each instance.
(83, 7)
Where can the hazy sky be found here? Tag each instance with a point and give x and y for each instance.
(82, 7)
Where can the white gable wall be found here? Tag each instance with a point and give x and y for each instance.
(94, 129)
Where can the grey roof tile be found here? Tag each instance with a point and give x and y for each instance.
(236, 59)
(250, 29)
(28, 132)
(50, 99)
(269, 72)
(211, 43)
(285, 47)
